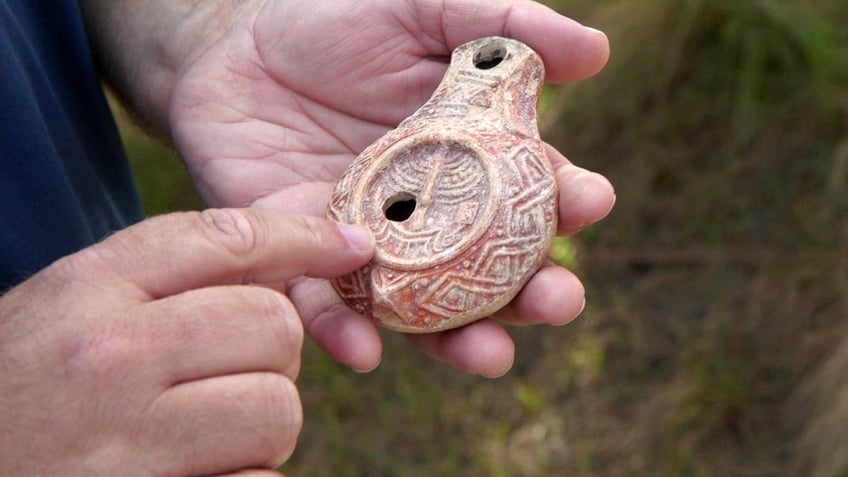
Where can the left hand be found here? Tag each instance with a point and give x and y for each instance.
(276, 106)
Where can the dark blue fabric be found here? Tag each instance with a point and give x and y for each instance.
(64, 179)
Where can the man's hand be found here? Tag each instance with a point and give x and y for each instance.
(168, 349)
(269, 101)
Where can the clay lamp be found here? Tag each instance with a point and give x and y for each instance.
(460, 196)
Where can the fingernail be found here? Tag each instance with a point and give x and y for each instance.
(612, 205)
(358, 237)
(580, 312)
(595, 30)
(366, 371)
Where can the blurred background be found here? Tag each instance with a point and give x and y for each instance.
(714, 339)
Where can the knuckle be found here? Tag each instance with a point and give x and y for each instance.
(281, 416)
(72, 279)
(315, 230)
(79, 265)
(233, 229)
(67, 268)
(95, 354)
(285, 325)
(312, 227)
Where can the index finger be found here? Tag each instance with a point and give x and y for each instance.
(177, 252)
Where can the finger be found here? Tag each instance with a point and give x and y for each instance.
(225, 424)
(585, 197)
(344, 334)
(222, 330)
(254, 473)
(305, 198)
(178, 252)
(482, 347)
(569, 50)
(552, 296)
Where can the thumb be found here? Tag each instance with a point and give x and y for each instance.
(173, 253)
(570, 51)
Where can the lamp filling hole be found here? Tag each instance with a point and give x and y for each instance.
(399, 207)
(489, 56)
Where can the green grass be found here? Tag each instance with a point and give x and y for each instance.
(163, 182)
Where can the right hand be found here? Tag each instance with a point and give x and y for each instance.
(167, 349)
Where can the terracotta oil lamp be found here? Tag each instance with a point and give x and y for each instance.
(460, 196)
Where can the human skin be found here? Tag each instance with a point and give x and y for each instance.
(169, 349)
(268, 101)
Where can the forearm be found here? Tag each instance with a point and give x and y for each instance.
(142, 45)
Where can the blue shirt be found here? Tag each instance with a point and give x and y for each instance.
(64, 178)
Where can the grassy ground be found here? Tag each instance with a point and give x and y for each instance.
(718, 288)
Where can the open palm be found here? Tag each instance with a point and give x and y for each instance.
(271, 113)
